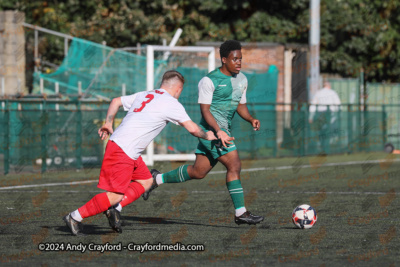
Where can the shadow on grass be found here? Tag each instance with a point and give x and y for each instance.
(88, 229)
(291, 228)
(157, 220)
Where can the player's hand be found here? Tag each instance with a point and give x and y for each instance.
(225, 138)
(256, 124)
(105, 131)
(211, 136)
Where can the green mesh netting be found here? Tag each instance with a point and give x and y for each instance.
(69, 135)
(380, 94)
(64, 135)
(101, 70)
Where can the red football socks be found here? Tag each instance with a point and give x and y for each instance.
(135, 190)
(100, 202)
(96, 205)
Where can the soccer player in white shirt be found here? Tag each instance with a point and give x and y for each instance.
(123, 174)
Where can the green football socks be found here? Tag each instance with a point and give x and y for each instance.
(236, 191)
(179, 175)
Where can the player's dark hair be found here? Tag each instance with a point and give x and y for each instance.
(172, 74)
(228, 46)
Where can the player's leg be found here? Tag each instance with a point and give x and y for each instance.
(134, 191)
(198, 170)
(141, 181)
(202, 165)
(232, 163)
(205, 161)
(114, 178)
(98, 204)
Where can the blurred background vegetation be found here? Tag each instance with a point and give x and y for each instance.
(354, 33)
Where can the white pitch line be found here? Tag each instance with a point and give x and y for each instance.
(298, 192)
(339, 193)
(53, 184)
(217, 172)
(308, 166)
(52, 191)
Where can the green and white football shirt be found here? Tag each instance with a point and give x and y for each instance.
(223, 93)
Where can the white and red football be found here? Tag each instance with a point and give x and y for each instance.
(304, 216)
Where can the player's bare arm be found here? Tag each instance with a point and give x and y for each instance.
(195, 130)
(244, 113)
(224, 137)
(107, 129)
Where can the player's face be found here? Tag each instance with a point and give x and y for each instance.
(233, 63)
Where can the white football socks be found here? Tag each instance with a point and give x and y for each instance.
(76, 216)
(118, 207)
(159, 179)
(240, 211)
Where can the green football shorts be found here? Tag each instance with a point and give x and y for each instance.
(213, 149)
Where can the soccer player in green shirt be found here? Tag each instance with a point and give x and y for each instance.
(222, 93)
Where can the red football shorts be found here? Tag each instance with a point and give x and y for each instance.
(118, 169)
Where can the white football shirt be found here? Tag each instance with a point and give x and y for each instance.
(148, 114)
(325, 98)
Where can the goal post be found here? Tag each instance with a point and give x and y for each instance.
(150, 157)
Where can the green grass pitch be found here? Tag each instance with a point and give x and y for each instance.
(357, 204)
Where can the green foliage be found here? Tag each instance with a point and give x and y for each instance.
(357, 34)
(354, 33)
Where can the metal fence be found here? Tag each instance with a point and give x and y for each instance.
(353, 128)
(50, 134)
(38, 135)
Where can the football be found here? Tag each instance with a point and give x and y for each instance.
(304, 216)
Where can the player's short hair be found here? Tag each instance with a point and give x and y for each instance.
(228, 46)
(172, 74)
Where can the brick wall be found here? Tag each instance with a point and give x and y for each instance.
(260, 58)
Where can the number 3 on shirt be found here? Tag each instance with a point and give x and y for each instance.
(150, 97)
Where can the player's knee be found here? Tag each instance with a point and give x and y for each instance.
(146, 183)
(114, 198)
(235, 167)
(120, 198)
(234, 170)
(198, 175)
(196, 172)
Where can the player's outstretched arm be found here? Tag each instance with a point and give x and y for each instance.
(107, 129)
(195, 130)
(243, 112)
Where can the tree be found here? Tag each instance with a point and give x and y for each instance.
(355, 34)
